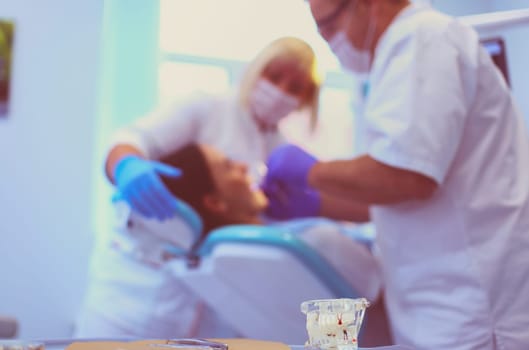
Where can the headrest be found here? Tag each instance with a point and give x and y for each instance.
(182, 231)
(275, 237)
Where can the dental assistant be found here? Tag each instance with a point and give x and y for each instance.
(281, 79)
(129, 295)
(444, 173)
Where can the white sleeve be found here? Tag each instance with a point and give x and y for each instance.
(165, 129)
(416, 113)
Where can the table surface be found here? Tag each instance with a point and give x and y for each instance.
(61, 344)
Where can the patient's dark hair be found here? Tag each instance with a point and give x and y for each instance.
(195, 182)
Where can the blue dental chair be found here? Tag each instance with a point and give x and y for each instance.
(256, 277)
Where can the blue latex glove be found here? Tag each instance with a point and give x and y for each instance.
(286, 184)
(139, 183)
(290, 165)
(291, 202)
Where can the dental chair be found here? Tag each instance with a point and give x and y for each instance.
(256, 277)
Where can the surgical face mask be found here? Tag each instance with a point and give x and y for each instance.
(357, 61)
(351, 58)
(270, 104)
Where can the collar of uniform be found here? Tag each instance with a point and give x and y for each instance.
(394, 27)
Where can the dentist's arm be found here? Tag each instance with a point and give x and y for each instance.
(337, 208)
(295, 202)
(290, 196)
(369, 181)
(359, 182)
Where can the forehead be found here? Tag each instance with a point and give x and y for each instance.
(288, 66)
(212, 155)
(322, 8)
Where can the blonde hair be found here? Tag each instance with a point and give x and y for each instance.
(286, 48)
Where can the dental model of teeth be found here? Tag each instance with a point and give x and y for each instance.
(334, 323)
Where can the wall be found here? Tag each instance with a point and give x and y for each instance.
(128, 86)
(515, 40)
(462, 8)
(46, 152)
(517, 53)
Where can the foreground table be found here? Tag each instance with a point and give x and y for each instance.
(61, 344)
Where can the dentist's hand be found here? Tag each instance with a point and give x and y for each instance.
(286, 184)
(291, 202)
(139, 183)
(290, 165)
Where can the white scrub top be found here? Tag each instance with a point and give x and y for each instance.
(456, 266)
(219, 121)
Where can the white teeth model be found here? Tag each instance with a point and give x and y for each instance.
(334, 323)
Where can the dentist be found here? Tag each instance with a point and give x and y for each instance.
(444, 173)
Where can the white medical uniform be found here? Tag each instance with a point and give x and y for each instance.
(131, 297)
(219, 121)
(456, 266)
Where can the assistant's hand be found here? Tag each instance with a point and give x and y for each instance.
(290, 165)
(291, 202)
(139, 183)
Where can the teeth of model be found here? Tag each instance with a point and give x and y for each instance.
(331, 327)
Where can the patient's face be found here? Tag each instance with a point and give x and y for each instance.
(240, 200)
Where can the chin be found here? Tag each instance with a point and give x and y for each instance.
(262, 201)
(259, 198)
(257, 207)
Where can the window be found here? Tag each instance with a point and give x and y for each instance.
(206, 43)
(178, 78)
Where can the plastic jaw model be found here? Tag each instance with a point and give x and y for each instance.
(334, 323)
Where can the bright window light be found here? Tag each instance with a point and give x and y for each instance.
(178, 79)
(237, 29)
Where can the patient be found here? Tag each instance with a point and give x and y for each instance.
(223, 193)
(139, 297)
(218, 188)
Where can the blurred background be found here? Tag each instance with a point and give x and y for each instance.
(80, 69)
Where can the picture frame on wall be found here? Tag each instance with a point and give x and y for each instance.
(7, 28)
